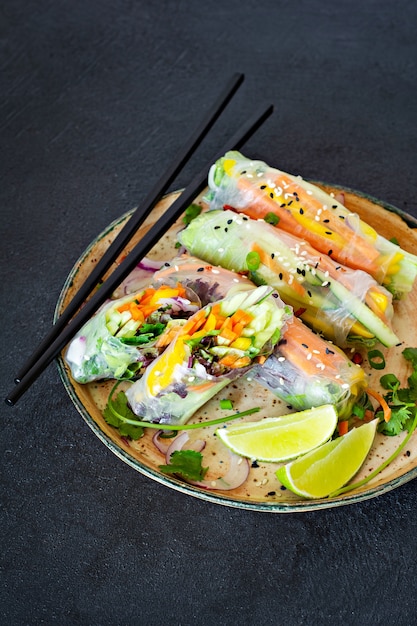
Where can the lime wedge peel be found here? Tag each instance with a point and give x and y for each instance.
(327, 469)
(279, 439)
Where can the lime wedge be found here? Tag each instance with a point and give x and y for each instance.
(321, 472)
(277, 439)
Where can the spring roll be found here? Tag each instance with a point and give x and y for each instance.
(217, 345)
(303, 209)
(347, 306)
(122, 337)
(306, 371)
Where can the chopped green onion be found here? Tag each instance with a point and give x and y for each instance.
(226, 404)
(191, 212)
(376, 359)
(253, 261)
(271, 218)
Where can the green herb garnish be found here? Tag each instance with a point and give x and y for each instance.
(253, 261)
(186, 463)
(376, 359)
(191, 212)
(271, 218)
(116, 413)
(401, 400)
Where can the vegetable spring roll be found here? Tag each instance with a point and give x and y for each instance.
(122, 337)
(306, 371)
(303, 209)
(215, 346)
(346, 306)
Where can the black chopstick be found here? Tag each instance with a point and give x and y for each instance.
(132, 259)
(135, 221)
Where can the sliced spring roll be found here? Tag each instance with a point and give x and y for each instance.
(122, 337)
(346, 306)
(306, 371)
(217, 345)
(305, 210)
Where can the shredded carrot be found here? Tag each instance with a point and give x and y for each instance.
(382, 402)
(343, 427)
(195, 322)
(261, 359)
(227, 334)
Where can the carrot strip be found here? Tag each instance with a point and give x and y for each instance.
(382, 402)
(343, 427)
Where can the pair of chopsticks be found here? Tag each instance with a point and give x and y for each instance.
(70, 322)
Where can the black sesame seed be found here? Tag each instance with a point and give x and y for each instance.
(271, 493)
(309, 293)
(330, 252)
(280, 275)
(216, 227)
(226, 229)
(334, 206)
(272, 255)
(290, 202)
(254, 464)
(328, 351)
(282, 205)
(263, 187)
(229, 221)
(326, 221)
(305, 346)
(301, 211)
(245, 218)
(271, 195)
(329, 232)
(200, 269)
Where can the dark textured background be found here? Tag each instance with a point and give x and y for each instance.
(95, 97)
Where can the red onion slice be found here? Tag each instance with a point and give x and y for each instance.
(235, 476)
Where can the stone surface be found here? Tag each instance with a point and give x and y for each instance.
(96, 98)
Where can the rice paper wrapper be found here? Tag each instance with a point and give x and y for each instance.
(198, 364)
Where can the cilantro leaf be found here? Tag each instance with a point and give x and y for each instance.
(401, 419)
(186, 463)
(401, 400)
(119, 406)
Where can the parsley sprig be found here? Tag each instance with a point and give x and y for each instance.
(401, 400)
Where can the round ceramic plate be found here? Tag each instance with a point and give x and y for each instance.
(261, 491)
